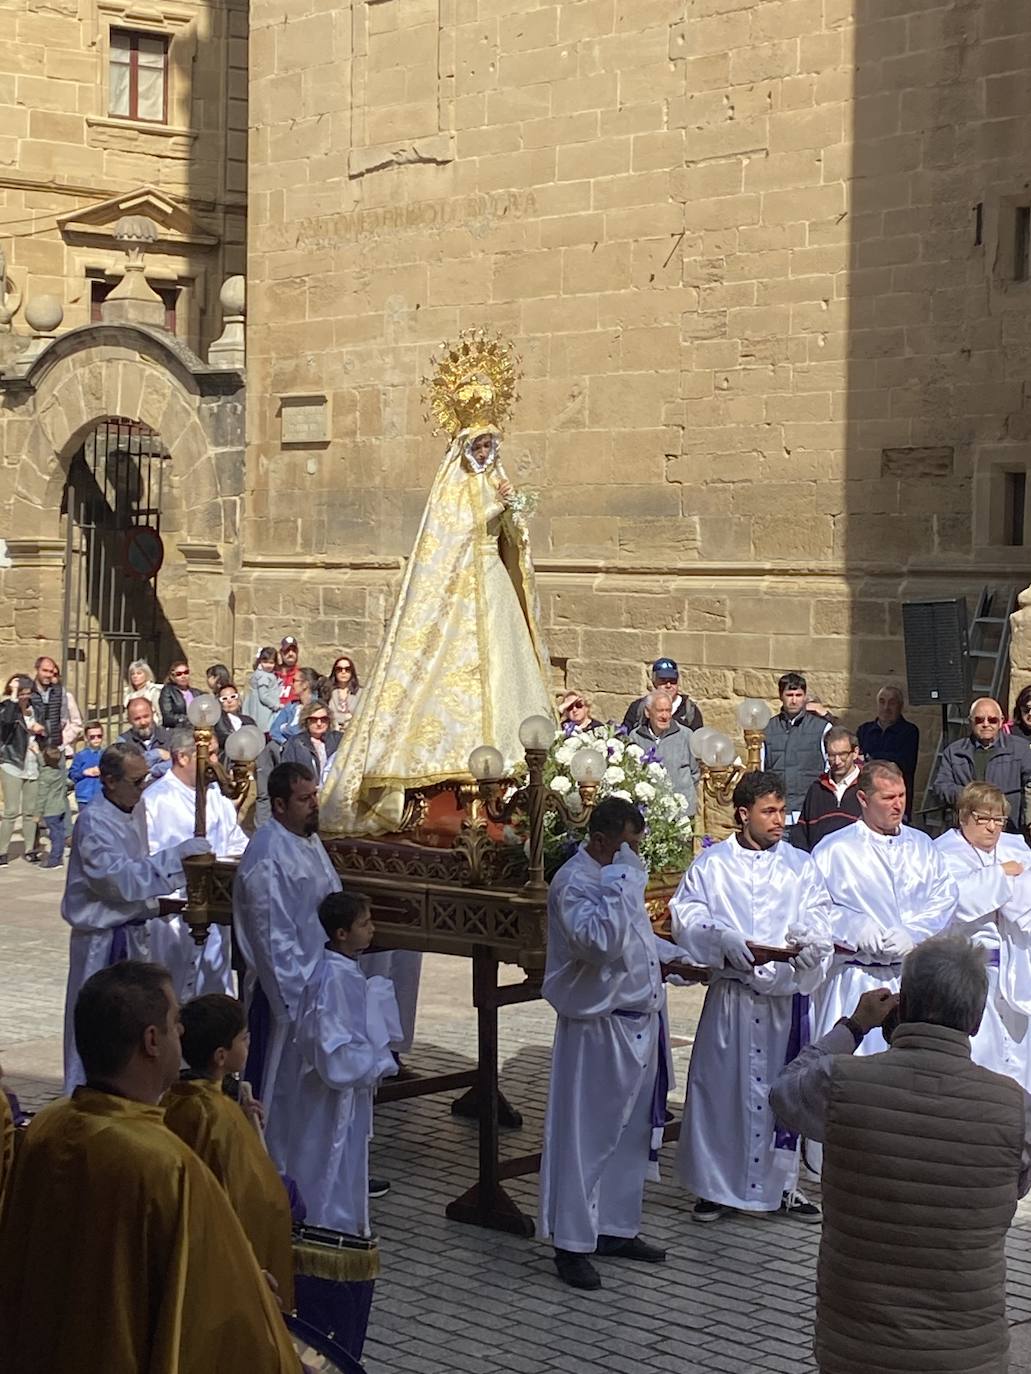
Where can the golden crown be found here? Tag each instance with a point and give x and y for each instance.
(474, 383)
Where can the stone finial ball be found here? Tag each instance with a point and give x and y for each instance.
(233, 296)
(44, 313)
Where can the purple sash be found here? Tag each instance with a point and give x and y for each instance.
(798, 1038)
(660, 1088)
(119, 944)
(259, 1023)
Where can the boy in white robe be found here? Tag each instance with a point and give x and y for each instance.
(992, 870)
(604, 979)
(345, 1026)
(170, 804)
(283, 876)
(890, 889)
(752, 887)
(112, 883)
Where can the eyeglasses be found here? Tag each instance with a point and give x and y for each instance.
(838, 757)
(988, 820)
(230, 696)
(987, 720)
(181, 672)
(577, 705)
(318, 720)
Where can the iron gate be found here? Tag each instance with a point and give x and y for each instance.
(110, 618)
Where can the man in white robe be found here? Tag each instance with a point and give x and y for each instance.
(604, 979)
(890, 889)
(993, 875)
(753, 887)
(112, 883)
(283, 876)
(171, 804)
(345, 1026)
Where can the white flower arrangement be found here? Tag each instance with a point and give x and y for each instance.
(524, 501)
(632, 774)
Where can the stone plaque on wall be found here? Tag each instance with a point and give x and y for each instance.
(305, 421)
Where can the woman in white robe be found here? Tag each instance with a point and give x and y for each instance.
(729, 1155)
(345, 1026)
(993, 874)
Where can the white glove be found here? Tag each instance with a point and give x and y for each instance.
(809, 956)
(196, 844)
(630, 858)
(734, 948)
(869, 939)
(896, 944)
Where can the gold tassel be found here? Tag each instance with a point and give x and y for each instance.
(341, 1266)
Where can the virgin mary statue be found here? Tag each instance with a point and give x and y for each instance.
(463, 661)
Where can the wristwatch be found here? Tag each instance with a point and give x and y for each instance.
(858, 1033)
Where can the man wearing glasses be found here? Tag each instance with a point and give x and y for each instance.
(993, 874)
(832, 801)
(112, 883)
(987, 755)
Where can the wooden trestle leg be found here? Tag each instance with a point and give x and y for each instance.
(486, 1203)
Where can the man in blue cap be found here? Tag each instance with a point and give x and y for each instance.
(666, 678)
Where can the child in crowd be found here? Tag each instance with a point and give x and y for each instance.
(214, 1044)
(262, 700)
(85, 769)
(345, 1025)
(52, 800)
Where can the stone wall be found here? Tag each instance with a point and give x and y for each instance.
(65, 163)
(759, 259)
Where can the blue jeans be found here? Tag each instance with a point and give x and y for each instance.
(56, 831)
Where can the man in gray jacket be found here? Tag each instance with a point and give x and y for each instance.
(987, 755)
(671, 743)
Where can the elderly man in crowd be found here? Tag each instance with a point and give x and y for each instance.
(112, 882)
(891, 737)
(993, 875)
(890, 889)
(832, 801)
(666, 678)
(659, 734)
(152, 740)
(119, 1249)
(170, 804)
(987, 755)
(283, 876)
(925, 1154)
(793, 742)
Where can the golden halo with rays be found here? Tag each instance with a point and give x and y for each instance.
(473, 383)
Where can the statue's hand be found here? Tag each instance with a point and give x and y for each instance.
(506, 490)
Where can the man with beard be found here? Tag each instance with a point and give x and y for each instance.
(283, 876)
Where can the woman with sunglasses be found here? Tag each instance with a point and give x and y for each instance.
(176, 695)
(232, 716)
(1020, 723)
(316, 743)
(574, 713)
(344, 690)
(993, 874)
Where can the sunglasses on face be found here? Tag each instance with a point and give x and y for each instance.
(987, 720)
(230, 696)
(181, 672)
(576, 705)
(318, 720)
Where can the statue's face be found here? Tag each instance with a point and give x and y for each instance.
(481, 447)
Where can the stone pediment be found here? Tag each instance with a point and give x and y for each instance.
(176, 223)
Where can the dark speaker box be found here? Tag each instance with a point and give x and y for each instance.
(937, 652)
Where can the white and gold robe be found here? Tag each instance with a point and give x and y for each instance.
(462, 662)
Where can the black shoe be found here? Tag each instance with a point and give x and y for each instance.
(797, 1205)
(577, 1270)
(32, 856)
(631, 1248)
(3, 861)
(378, 1187)
(709, 1211)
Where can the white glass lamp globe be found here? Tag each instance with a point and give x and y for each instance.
(204, 711)
(753, 714)
(537, 732)
(699, 737)
(588, 766)
(714, 748)
(725, 751)
(244, 745)
(486, 763)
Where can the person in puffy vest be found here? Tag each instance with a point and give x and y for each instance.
(793, 742)
(924, 1157)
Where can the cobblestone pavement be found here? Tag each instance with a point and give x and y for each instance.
(735, 1296)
